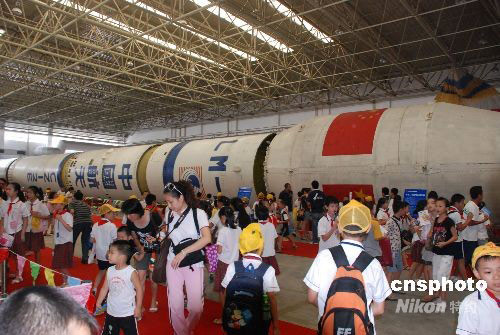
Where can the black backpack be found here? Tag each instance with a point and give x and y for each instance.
(243, 309)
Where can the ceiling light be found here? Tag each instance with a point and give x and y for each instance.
(482, 41)
(284, 10)
(382, 61)
(130, 63)
(17, 9)
(184, 25)
(2, 31)
(243, 25)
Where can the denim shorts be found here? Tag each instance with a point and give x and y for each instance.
(397, 263)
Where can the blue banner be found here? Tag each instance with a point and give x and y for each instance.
(413, 196)
(245, 192)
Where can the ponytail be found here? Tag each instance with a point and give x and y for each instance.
(37, 191)
(20, 194)
(228, 213)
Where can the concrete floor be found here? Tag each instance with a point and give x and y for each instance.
(293, 307)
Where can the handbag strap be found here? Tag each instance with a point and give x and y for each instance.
(179, 221)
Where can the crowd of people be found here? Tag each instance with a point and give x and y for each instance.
(236, 243)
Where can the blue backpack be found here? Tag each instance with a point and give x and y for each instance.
(243, 308)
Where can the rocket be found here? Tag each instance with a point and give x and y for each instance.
(438, 146)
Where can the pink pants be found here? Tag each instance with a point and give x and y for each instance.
(194, 289)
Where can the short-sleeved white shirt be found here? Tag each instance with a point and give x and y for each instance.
(104, 235)
(37, 225)
(482, 232)
(229, 240)
(269, 280)
(458, 219)
(186, 230)
(470, 233)
(383, 214)
(324, 226)
(269, 233)
(479, 314)
(215, 220)
(323, 270)
(13, 221)
(61, 234)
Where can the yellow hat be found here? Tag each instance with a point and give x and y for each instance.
(269, 196)
(251, 239)
(60, 199)
(219, 194)
(106, 208)
(245, 200)
(369, 198)
(352, 215)
(133, 196)
(261, 195)
(488, 249)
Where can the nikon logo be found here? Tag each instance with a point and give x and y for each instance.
(418, 306)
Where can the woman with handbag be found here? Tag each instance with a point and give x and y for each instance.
(144, 231)
(188, 232)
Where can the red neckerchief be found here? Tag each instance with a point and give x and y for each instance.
(102, 221)
(492, 296)
(453, 210)
(56, 213)
(329, 219)
(10, 206)
(150, 208)
(386, 211)
(252, 257)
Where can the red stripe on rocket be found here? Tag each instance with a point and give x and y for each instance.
(351, 134)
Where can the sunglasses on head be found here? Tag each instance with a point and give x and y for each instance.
(170, 187)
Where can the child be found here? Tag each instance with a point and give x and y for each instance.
(44, 310)
(14, 221)
(479, 311)
(124, 234)
(63, 236)
(124, 292)
(270, 235)
(284, 220)
(394, 234)
(470, 228)
(354, 224)
(455, 212)
(426, 218)
(251, 244)
(39, 214)
(443, 234)
(102, 235)
(227, 249)
(327, 227)
(382, 214)
(417, 266)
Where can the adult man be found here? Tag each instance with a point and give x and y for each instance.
(82, 223)
(316, 199)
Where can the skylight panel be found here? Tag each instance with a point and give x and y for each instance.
(108, 20)
(284, 10)
(243, 25)
(237, 52)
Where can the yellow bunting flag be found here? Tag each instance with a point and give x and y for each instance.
(49, 276)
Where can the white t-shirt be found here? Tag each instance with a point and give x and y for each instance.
(458, 219)
(104, 235)
(13, 220)
(121, 295)
(269, 233)
(324, 226)
(383, 214)
(390, 209)
(269, 280)
(323, 270)
(186, 230)
(215, 220)
(229, 240)
(478, 316)
(425, 222)
(37, 225)
(482, 232)
(61, 234)
(470, 233)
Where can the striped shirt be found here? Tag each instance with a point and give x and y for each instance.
(82, 214)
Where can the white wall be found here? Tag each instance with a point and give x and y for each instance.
(265, 122)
